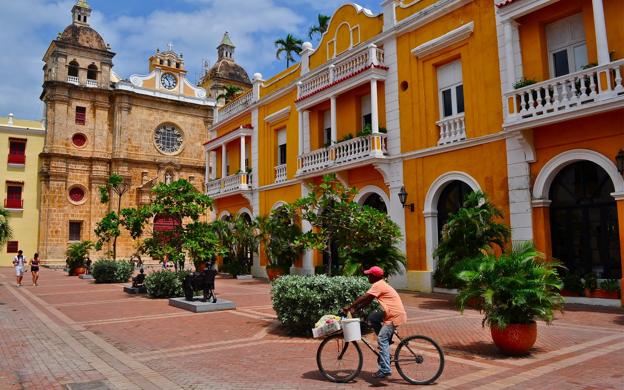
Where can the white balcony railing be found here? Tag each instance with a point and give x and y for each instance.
(343, 153)
(92, 83)
(340, 70)
(566, 93)
(280, 173)
(73, 80)
(235, 106)
(229, 184)
(452, 129)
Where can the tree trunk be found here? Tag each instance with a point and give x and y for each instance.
(329, 257)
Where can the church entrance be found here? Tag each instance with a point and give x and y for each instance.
(584, 222)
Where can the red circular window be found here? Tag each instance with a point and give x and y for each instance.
(79, 140)
(76, 194)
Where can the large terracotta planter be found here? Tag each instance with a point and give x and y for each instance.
(515, 339)
(275, 272)
(201, 267)
(600, 293)
(79, 271)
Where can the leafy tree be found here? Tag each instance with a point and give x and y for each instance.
(289, 45)
(231, 91)
(472, 230)
(321, 27)
(280, 236)
(239, 241)
(5, 229)
(108, 229)
(202, 243)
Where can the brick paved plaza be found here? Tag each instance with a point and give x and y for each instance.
(71, 333)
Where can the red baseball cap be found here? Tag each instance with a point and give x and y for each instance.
(375, 271)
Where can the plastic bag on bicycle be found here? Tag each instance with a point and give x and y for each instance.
(326, 325)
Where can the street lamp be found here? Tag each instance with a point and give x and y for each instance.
(403, 199)
(619, 161)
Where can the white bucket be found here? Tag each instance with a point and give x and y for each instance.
(351, 329)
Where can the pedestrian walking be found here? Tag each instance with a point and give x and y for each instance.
(19, 263)
(34, 268)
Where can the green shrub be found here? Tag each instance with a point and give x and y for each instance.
(111, 271)
(164, 284)
(300, 301)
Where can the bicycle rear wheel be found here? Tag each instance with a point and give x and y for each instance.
(339, 361)
(419, 360)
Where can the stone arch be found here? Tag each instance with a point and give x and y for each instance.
(430, 210)
(73, 68)
(224, 215)
(550, 170)
(245, 210)
(92, 71)
(277, 204)
(366, 191)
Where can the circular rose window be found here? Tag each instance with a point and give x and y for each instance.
(79, 140)
(76, 194)
(168, 139)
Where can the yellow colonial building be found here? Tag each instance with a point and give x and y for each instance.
(520, 99)
(21, 141)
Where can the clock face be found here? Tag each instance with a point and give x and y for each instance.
(168, 139)
(168, 81)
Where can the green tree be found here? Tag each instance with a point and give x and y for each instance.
(231, 91)
(6, 233)
(321, 27)
(289, 45)
(239, 241)
(108, 229)
(202, 243)
(472, 230)
(280, 235)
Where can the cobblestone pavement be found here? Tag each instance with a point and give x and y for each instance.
(73, 334)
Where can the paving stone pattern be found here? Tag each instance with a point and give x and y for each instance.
(69, 333)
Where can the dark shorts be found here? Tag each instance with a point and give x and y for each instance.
(34, 269)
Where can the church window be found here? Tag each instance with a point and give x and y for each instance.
(178, 65)
(17, 151)
(76, 194)
(168, 139)
(72, 70)
(161, 61)
(12, 246)
(75, 228)
(168, 62)
(81, 115)
(92, 72)
(79, 140)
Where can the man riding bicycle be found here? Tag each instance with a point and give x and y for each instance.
(393, 315)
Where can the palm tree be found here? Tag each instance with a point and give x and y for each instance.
(289, 45)
(5, 230)
(229, 94)
(321, 27)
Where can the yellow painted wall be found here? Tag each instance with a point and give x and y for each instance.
(232, 204)
(280, 80)
(407, 8)
(419, 103)
(25, 224)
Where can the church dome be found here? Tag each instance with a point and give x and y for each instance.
(83, 35)
(227, 69)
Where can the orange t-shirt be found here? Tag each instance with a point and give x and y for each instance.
(390, 301)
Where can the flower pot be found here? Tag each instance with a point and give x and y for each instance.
(79, 271)
(600, 293)
(515, 339)
(201, 267)
(275, 272)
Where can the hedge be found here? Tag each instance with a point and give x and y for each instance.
(165, 284)
(111, 271)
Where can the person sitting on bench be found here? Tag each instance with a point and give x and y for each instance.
(137, 281)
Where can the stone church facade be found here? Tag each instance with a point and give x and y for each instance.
(148, 129)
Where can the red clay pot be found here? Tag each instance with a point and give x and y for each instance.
(274, 272)
(201, 267)
(515, 339)
(600, 293)
(79, 271)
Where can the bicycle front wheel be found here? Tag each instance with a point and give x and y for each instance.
(339, 361)
(419, 360)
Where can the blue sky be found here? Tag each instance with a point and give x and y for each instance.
(135, 28)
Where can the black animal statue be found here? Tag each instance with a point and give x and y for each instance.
(204, 281)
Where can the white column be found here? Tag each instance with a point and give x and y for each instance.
(213, 164)
(207, 170)
(223, 162)
(308, 255)
(243, 168)
(300, 139)
(509, 54)
(396, 212)
(601, 33)
(334, 130)
(374, 108)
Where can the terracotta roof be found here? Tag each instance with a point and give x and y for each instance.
(504, 3)
(227, 69)
(83, 36)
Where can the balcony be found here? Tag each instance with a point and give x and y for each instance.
(92, 83)
(239, 183)
(235, 107)
(452, 129)
(344, 155)
(73, 80)
(344, 68)
(17, 159)
(280, 173)
(14, 204)
(577, 94)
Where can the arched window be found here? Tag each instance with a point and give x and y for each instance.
(451, 199)
(375, 201)
(584, 221)
(72, 69)
(92, 72)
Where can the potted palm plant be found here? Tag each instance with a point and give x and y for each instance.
(77, 254)
(280, 236)
(516, 289)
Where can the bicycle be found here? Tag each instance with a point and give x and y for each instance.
(416, 352)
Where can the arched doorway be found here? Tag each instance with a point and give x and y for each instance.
(375, 201)
(583, 220)
(451, 199)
